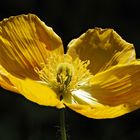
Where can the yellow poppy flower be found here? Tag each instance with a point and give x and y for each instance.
(98, 77)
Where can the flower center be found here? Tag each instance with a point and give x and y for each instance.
(64, 74)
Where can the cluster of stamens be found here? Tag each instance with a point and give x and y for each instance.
(64, 76)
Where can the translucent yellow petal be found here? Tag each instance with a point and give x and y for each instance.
(5, 82)
(82, 102)
(110, 94)
(118, 85)
(37, 92)
(25, 43)
(103, 47)
(99, 111)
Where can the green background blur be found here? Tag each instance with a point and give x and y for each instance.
(21, 119)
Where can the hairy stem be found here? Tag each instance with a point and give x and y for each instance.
(62, 124)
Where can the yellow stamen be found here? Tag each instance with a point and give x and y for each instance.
(65, 75)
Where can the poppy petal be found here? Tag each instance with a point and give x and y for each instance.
(5, 82)
(37, 92)
(103, 47)
(110, 94)
(25, 43)
(99, 111)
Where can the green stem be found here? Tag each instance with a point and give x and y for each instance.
(62, 124)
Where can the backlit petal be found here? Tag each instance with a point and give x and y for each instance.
(25, 43)
(111, 93)
(5, 82)
(82, 102)
(118, 85)
(37, 92)
(103, 47)
(99, 111)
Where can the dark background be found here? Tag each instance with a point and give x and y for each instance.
(21, 119)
